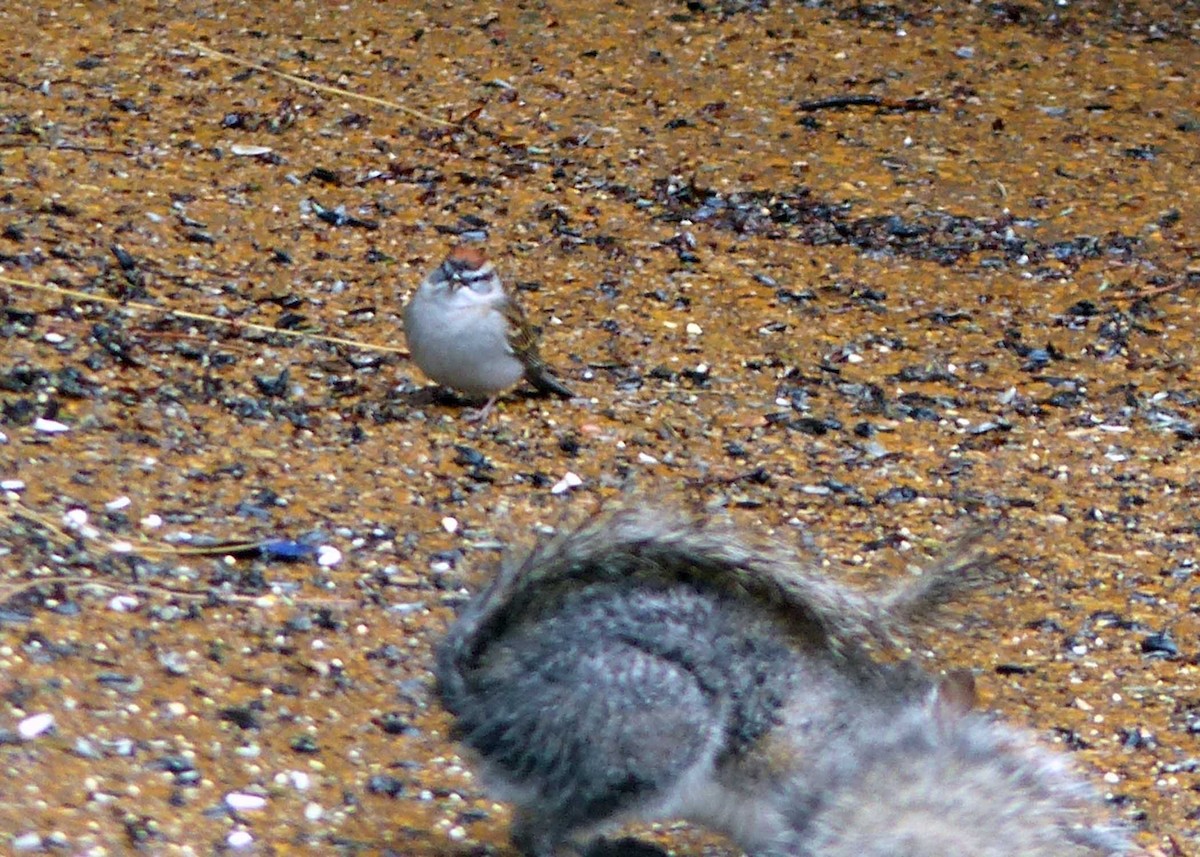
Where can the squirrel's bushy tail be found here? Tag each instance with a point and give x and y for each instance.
(653, 547)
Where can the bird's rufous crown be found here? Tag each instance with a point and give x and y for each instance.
(468, 257)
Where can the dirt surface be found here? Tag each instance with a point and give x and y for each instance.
(970, 293)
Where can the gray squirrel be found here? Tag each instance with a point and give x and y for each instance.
(650, 666)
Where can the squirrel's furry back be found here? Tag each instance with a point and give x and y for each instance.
(640, 546)
(639, 667)
(651, 665)
(927, 783)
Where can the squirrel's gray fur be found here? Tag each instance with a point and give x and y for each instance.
(651, 666)
(921, 781)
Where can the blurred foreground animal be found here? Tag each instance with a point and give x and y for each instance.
(650, 666)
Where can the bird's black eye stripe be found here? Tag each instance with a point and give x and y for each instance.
(457, 273)
(475, 274)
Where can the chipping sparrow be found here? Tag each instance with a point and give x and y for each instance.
(465, 332)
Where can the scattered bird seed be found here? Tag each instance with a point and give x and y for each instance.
(123, 603)
(239, 839)
(50, 426)
(1159, 645)
(34, 725)
(27, 842)
(570, 480)
(385, 784)
(85, 749)
(243, 802)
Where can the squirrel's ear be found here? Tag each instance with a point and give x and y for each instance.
(954, 695)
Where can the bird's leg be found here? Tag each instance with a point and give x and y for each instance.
(481, 414)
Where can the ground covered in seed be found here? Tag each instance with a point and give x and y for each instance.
(851, 273)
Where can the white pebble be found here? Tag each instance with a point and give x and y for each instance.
(246, 150)
(328, 555)
(693, 329)
(50, 426)
(27, 842)
(35, 725)
(450, 525)
(243, 801)
(643, 458)
(117, 504)
(55, 338)
(152, 522)
(299, 780)
(75, 518)
(12, 485)
(239, 839)
(123, 603)
(313, 811)
(570, 480)
(121, 547)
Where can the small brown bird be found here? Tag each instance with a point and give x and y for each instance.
(467, 333)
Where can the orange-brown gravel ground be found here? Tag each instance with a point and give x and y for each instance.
(853, 326)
